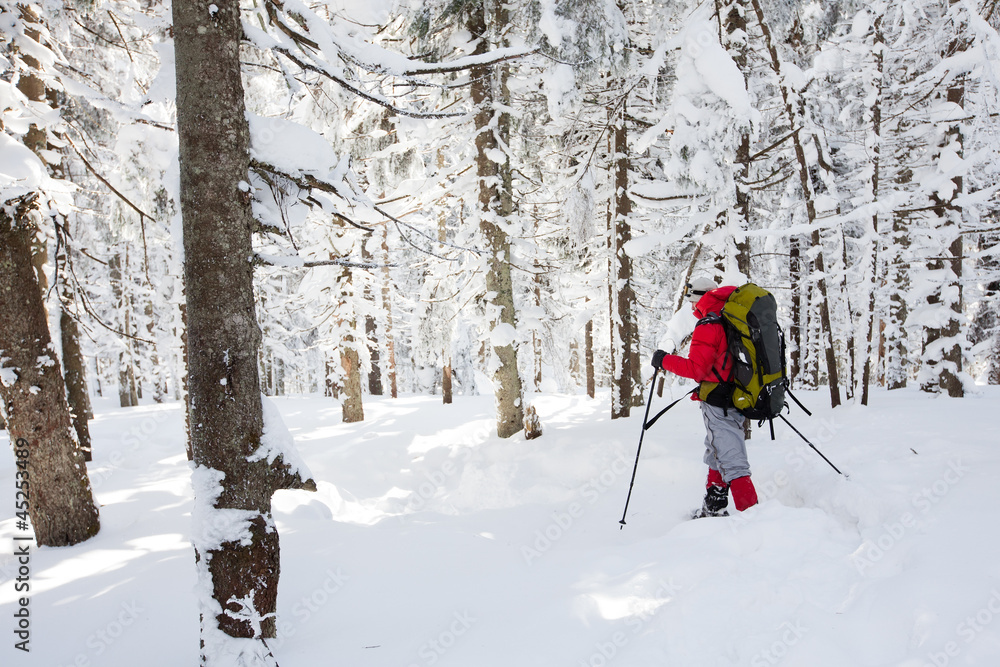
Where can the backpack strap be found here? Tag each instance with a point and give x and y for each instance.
(716, 318)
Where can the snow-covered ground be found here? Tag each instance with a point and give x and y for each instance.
(432, 542)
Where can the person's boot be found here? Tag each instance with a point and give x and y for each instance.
(744, 493)
(716, 497)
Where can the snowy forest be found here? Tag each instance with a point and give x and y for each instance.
(207, 202)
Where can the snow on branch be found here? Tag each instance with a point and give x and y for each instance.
(318, 43)
(306, 182)
(297, 262)
(399, 223)
(324, 71)
(277, 448)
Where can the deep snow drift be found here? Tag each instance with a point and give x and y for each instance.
(432, 542)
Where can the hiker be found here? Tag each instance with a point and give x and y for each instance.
(708, 361)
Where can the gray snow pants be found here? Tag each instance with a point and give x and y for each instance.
(725, 446)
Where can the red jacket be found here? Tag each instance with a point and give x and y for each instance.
(708, 344)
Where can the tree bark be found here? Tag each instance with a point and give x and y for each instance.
(127, 395)
(736, 42)
(351, 406)
(795, 124)
(390, 345)
(60, 501)
(446, 390)
(371, 332)
(240, 566)
(588, 335)
(943, 361)
(898, 356)
(798, 314)
(74, 363)
(446, 380)
(76, 379)
(872, 277)
(490, 96)
(625, 334)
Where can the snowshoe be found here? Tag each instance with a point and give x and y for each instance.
(716, 501)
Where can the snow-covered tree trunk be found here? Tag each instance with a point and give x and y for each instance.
(797, 313)
(390, 344)
(127, 394)
(734, 38)
(75, 374)
(943, 348)
(74, 363)
(871, 276)
(624, 328)
(60, 502)
(492, 120)
(236, 472)
(352, 408)
(51, 464)
(795, 123)
(897, 364)
(371, 336)
(588, 355)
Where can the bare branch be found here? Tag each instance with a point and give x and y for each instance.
(362, 94)
(97, 175)
(119, 29)
(427, 236)
(305, 182)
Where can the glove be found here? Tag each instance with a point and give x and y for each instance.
(658, 359)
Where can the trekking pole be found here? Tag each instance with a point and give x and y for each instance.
(649, 402)
(812, 445)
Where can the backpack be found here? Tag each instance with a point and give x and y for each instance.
(756, 350)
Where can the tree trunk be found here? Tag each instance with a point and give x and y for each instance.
(898, 348)
(390, 346)
(624, 330)
(942, 358)
(871, 277)
(157, 373)
(446, 388)
(74, 363)
(127, 396)
(238, 564)
(536, 337)
(734, 39)
(849, 341)
(61, 504)
(795, 124)
(371, 333)
(446, 391)
(588, 334)
(375, 374)
(796, 330)
(352, 407)
(76, 380)
(330, 387)
(490, 95)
